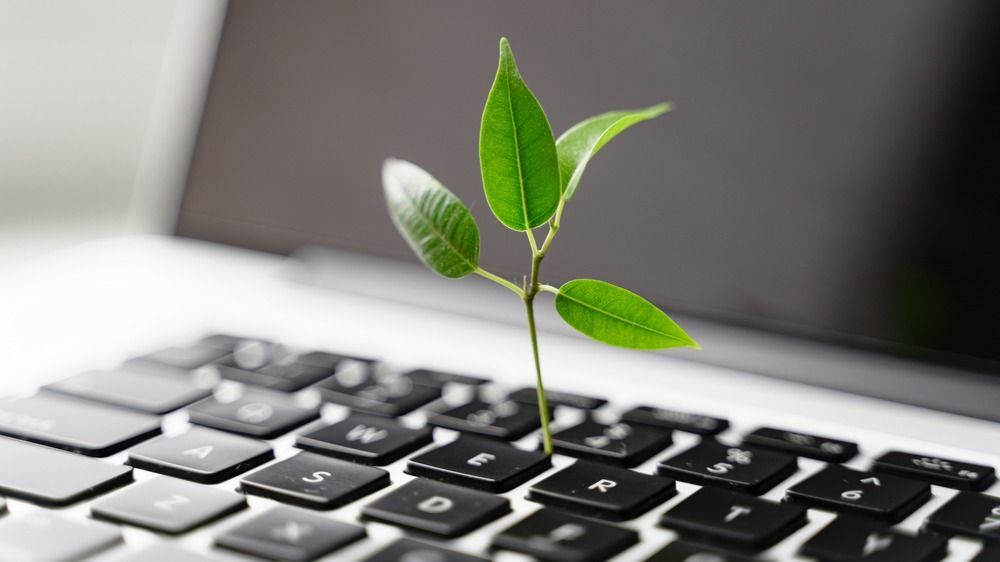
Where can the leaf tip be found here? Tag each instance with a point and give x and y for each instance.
(660, 109)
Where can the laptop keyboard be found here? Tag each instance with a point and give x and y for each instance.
(438, 456)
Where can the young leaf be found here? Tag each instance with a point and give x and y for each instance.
(585, 139)
(618, 317)
(433, 221)
(517, 153)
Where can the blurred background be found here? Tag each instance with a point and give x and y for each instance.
(829, 168)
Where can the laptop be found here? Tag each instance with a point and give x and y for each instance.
(275, 376)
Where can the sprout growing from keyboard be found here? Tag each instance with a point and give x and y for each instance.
(529, 177)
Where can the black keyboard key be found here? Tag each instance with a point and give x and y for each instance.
(603, 491)
(276, 368)
(164, 552)
(315, 481)
(878, 496)
(618, 443)
(749, 470)
(409, 550)
(91, 429)
(290, 534)
(136, 391)
(554, 536)
(365, 439)
(529, 395)
(943, 472)
(679, 551)
(54, 478)
(438, 379)
(178, 359)
(358, 388)
(850, 538)
(507, 419)
(802, 444)
(989, 553)
(167, 505)
(44, 536)
(968, 514)
(676, 419)
(479, 463)
(257, 413)
(436, 507)
(201, 455)
(735, 518)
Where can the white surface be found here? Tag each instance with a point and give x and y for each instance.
(103, 302)
(99, 104)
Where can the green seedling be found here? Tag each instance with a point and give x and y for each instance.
(528, 177)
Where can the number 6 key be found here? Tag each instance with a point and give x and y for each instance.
(881, 497)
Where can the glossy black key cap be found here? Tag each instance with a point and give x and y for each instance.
(167, 505)
(803, 444)
(849, 538)
(164, 552)
(290, 534)
(599, 490)
(676, 419)
(436, 507)
(943, 472)
(749, 470)
(679, 551)
(144, 392)
(438, 379)
(989, 553)
(365, 439)
(65, 423)
(880, 496)
(529, 395)
(257, 413)
(732, 517)
(618, 443)
(54, 478)
(178, 359)
(201, 455)
(554, 536)
(359, 388)
(968, 514)
(409, 550)
(45, 536)
(315, 481)
(480, 463)
(276, 368)
(507, 419)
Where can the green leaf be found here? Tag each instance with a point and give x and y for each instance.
(517, 153)
(617, 316)
(433, 221)
(585, 139)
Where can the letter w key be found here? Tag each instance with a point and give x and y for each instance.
(366, 434)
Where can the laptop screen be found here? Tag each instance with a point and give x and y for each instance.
(828, 170)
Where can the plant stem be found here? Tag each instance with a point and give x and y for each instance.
(543, 404)
(530, 290)
(499, 280)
